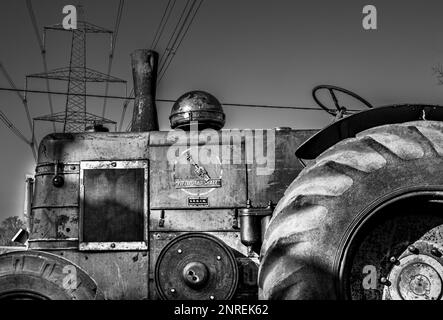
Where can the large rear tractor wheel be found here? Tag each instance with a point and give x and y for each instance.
(39, 275)
(365, 221)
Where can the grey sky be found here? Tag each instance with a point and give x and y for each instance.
(265, 52)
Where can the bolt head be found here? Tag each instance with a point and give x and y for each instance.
(58, 181)
(218, 258)
(211, 297)
(435, 252)
(413, 249)
(180, 251)
(385, 281)
(393, 259)
(172, 290)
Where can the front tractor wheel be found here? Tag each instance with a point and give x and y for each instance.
(365, 221)
(36, 275)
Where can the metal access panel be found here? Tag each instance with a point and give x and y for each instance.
(113, 205)
(210, 175)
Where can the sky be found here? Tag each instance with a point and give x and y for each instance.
(248, 51)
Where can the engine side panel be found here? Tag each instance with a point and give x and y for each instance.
(172, 211)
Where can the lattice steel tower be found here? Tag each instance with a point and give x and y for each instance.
(75, 117)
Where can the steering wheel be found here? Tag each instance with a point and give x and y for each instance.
(340, 109)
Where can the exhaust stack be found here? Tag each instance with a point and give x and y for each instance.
(144, 71)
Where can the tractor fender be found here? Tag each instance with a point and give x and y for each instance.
(348, 127)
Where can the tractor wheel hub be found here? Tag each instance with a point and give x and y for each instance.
(415, 277)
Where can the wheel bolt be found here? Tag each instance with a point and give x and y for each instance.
(385, 281)
(436, 252)
(172, 290)
(218, 258)
(413, 249)
(179, 251)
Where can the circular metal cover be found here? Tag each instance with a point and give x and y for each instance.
(196, 266)
(416, 277)
(198, 106)
(418, 273)
(397, 255)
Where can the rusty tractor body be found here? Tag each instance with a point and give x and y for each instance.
(110, 203)
(213, 214)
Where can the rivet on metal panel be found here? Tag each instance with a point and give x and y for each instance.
(180, 251)
(212, 297)
(112, 245)
(218, 258)
(114, 164)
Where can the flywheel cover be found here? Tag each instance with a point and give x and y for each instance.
(196, 266)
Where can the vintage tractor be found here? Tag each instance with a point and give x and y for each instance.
(192, 213)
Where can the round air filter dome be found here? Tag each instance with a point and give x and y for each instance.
(200, 107)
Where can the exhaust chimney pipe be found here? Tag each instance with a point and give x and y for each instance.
(144, 71)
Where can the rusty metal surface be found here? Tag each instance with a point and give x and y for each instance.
(169, 179)
(124, 271)
(144, 71)
(196, 266)
(47, 195)
(54, 213)
(263, 188)
(119, 275)
(66, 148)
(53, 244)
(54, 223)
(192, 220)
(27, 206)
(198, 106)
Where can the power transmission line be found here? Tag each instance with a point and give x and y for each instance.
(168, 47)
(14, 130)
(111, 54)
(180, 42)
(17, 132)
(227, 104)
(161, 26)
(22, 99)
(42, 52)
